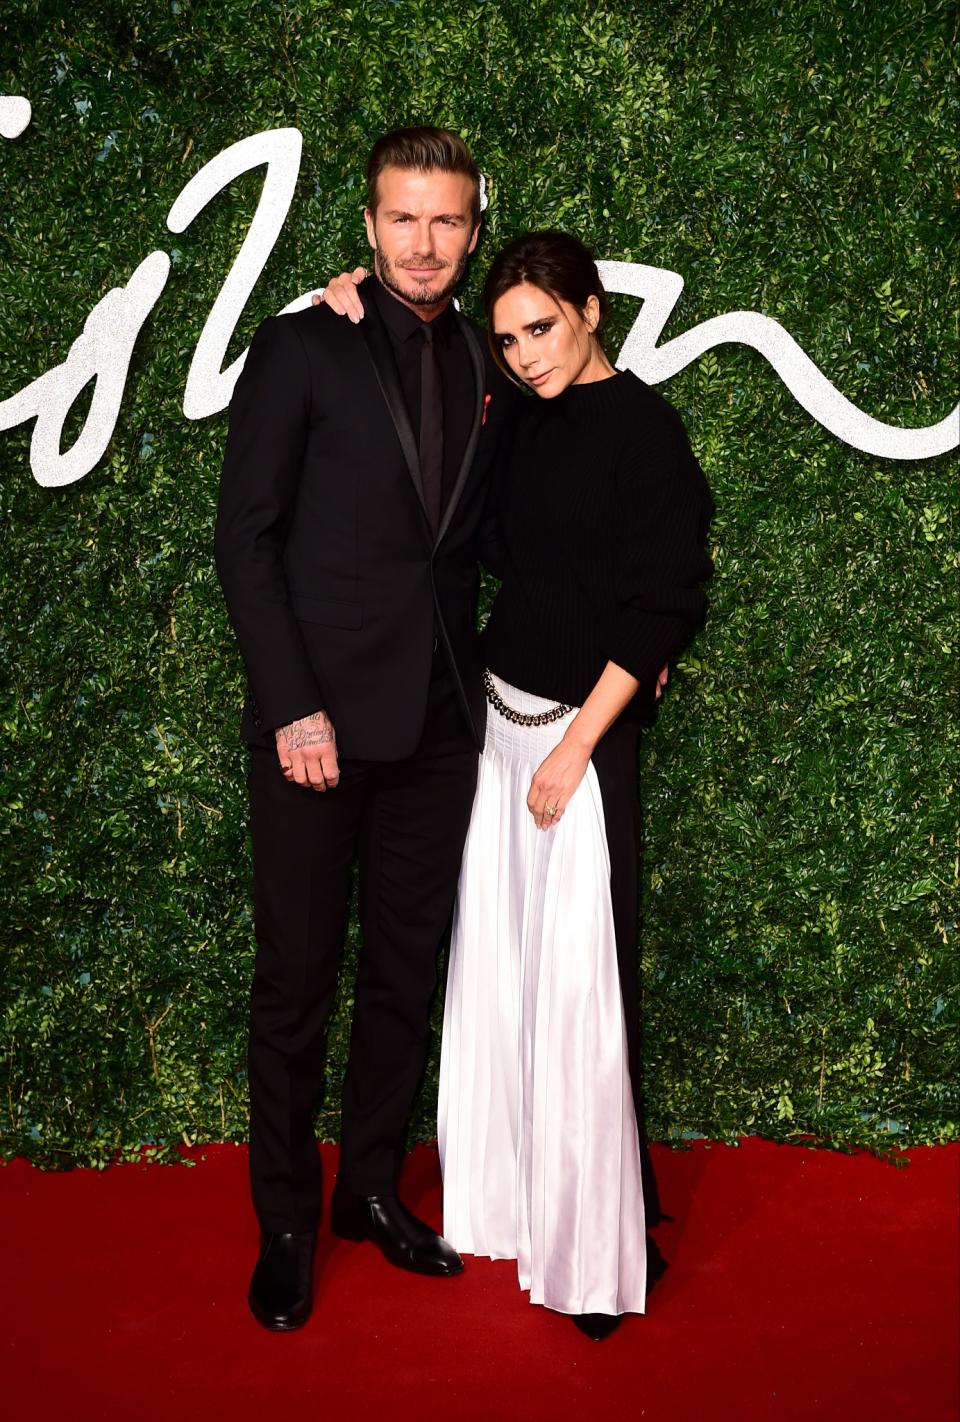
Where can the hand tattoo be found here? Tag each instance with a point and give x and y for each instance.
(315, 730)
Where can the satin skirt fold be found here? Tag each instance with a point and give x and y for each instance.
(537, 1130)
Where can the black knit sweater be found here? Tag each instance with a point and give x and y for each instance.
(599, 529)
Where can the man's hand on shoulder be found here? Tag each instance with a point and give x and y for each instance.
(340, 294)
(307, 750)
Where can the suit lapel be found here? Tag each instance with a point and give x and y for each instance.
(385, 367)
(476, 360)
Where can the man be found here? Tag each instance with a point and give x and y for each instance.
(353, 489)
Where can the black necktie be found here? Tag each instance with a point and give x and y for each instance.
(431, 428)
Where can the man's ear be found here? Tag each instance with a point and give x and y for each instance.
(371, 229)
(473, 239)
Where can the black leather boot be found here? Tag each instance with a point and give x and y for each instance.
(281, 1290)
(402, 1239)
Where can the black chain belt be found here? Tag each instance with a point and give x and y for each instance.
(521, 718)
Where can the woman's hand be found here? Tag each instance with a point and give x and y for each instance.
(560, 774)
(340, 294)
(555, 780)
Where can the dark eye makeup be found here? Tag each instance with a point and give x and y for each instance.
(536, 328)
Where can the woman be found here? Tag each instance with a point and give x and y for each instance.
(601, 514)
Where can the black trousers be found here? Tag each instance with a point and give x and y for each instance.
(615, 760)
(405, 822)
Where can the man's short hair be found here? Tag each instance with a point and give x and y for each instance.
(427, 150)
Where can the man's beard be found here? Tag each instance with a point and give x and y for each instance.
(419, 295)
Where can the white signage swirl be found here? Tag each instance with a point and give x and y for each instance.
(15, 114)
(660, 291)
(103, 350)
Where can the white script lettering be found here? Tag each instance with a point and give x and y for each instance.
(104, 349)
(208, 387)
(660, 290)
(102, 353)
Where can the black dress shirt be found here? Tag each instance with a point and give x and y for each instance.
(456, 372)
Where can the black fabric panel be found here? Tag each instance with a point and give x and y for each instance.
(615, 761)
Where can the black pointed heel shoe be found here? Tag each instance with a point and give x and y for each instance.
(600, 1325)
(597, 1325)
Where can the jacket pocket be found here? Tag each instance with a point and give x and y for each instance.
(329, 611)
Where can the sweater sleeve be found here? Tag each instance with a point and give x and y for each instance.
(662, 558)
(506, 407)
(269, 417)
(490, 542)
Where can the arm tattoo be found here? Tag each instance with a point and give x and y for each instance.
(314, 730)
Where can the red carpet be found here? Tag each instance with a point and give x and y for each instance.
(802, 1285)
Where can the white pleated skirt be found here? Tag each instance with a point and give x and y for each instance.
(537, 1130)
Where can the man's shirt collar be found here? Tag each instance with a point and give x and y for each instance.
(402, 322)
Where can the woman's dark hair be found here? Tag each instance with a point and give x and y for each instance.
(554, 262)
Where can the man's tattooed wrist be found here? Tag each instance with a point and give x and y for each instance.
(315, 730)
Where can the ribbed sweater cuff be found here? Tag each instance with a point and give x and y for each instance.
(643, 643)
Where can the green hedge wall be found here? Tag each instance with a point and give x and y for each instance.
(800, 868)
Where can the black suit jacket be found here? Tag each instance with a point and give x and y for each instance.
(334, 584)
